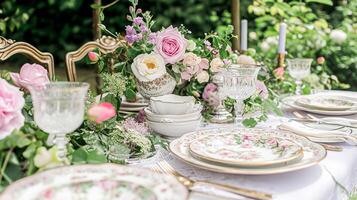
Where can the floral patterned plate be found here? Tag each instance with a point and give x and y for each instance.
(313, 152)
(334, 103)
(245, 149)
(291, 101)
(97, 182)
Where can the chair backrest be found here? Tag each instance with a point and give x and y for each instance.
(10, 47)
(105, 44)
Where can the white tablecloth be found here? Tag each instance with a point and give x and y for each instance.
(313, 183)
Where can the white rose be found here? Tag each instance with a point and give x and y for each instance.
(338, 36)
(265, 46)
(191, 45)
(245, 60)
(202, 77)
(191, 59)
(148, 67)
(216, 64)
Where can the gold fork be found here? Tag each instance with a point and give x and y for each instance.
(168, 169)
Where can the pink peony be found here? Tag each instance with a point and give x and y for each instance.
(31, 75)
(11, 103)
(93, 56)
(171, 45)
(101, 112)
(279, 73)
(262, 89)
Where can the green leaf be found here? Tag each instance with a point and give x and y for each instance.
(95, 157)
(79, 156)
(30, 151)
(130, 94)
(250, 122)
(110, 98)
(95, 6)
(326, 2)
(22, 142)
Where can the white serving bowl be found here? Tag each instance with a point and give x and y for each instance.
(176, 129)
(174, 118)
(172, 104)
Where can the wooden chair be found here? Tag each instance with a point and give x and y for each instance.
(10, 47)
(105, 44)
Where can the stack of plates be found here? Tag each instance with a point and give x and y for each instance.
(105, 181)
(127, 107)
(325, 104)
(247, 151)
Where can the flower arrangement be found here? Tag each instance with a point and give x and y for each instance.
(151, 58)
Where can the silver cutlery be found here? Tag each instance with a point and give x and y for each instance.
(165, 167)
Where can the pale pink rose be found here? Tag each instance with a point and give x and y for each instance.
(204, 64)
(11, 104)
(186, 76)
(202, 77)
(216, 65)
(171, 45)
(279, 73)
(31, 75)
(101, 112)
(93, 56)
(191, 59)
(262, 89)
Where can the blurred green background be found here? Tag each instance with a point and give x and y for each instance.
(59, 26)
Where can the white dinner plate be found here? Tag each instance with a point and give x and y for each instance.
(313, 152)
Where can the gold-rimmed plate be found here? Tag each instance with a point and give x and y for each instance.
(245, 149)
(103, 181)
(313, 153)
(326, 102)
(291, 101)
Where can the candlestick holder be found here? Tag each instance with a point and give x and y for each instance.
(281, 59)
(220, 114)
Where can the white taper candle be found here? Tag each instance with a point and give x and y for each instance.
(282, 38)
(244, 35)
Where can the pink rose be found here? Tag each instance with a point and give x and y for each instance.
(11, 103)
(93, 57)
(262, 89)
(320, 60)
(279, 73)
(31, 75)
(101, 112)
(171, 45)
(210, 95)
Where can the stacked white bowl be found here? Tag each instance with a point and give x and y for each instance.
(172, 115)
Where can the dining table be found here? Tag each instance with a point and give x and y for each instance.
(331, 179)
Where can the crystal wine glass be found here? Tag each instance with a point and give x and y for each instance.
(299, 68)
(58, 110)
(240, 83)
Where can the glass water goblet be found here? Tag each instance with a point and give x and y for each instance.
(299, 68)
(240, 83)
(58, 110)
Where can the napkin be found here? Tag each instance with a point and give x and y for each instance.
(315, 132)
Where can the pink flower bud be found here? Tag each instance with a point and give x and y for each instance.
(128, 17)
(320, 60)
(196, 94)
(93, 56)
(138, 11)
(279, 73)
(101, 112)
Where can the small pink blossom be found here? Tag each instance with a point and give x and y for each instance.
(132, 124)
(101, 112)
(210, 95)
(11, 103)
(93, 56)
(171, 45)
(31, 75)
(138, 21)
(279, 73)
(141, 116)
